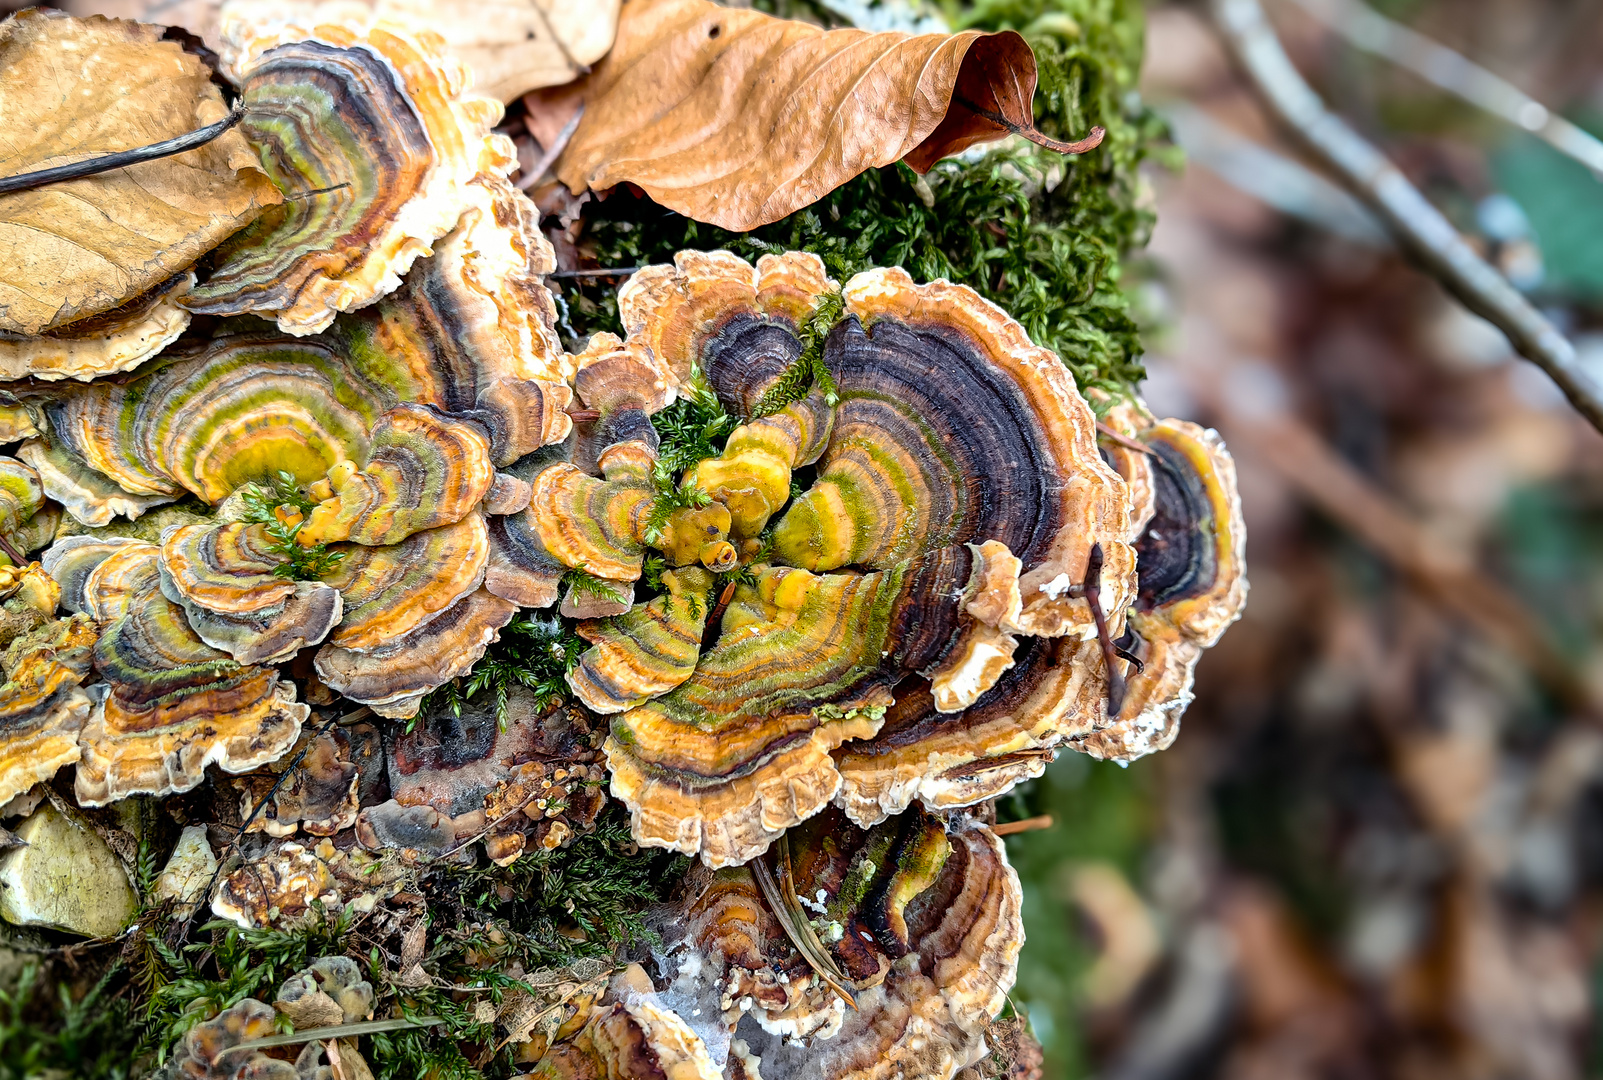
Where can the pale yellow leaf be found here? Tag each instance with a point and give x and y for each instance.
(513, 46)
(74, 88)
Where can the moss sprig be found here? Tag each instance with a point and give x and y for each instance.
(263, 505)
(692, 429)
(668, 496)
(809, 369)
(532, 652)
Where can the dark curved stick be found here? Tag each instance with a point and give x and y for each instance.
(1092, 591)
(122, 158)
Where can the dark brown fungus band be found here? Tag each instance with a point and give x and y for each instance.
(1193, 584)
(724, 762)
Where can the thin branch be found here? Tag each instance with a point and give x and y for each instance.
(1419, 228)
(123, 158)
(1391, 530)
(1029, 824)
(552, 152)
(1436, 63)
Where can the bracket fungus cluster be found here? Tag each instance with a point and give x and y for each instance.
(849, 953)
(330, 465)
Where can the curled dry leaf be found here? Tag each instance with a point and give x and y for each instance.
(736, 118)
(77, 87)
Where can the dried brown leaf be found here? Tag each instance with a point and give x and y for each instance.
(74, 88)
(737, 118)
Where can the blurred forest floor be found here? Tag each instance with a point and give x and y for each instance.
(1376, 849)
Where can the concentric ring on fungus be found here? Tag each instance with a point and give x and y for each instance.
(174, 704)
(959, 493)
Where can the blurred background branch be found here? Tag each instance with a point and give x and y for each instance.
(1373, 32)
(1419, 228)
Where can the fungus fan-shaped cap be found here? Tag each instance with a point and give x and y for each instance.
(225, 578)
(751, 478)
(1193, 584)
(320, 796)
(926, 1018)
(583, 521)
(91, 498)
(423, 471)
(394, 677)
(72, 559)
(240, 409)
(124, 571)
(227, 567)
(281, 884)
(42, 706)
(270, 635)
(740, 751)
(638, 1039)
(16, 424)
(375, 121)
(21, 494)
(117, 340)
(1000, 446)
(174, 704)
(206, 1051)
(475, 329)
(390, 591)
(708, 309)
(1055, 691)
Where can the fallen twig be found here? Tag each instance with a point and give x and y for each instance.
(552, 152)
(621, 271)
(123, 158)
(1419, 228)
(1029, 824)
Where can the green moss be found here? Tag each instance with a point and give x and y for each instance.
(533, 652)
(302, 562)
(48, 1030)
(1040, 235)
